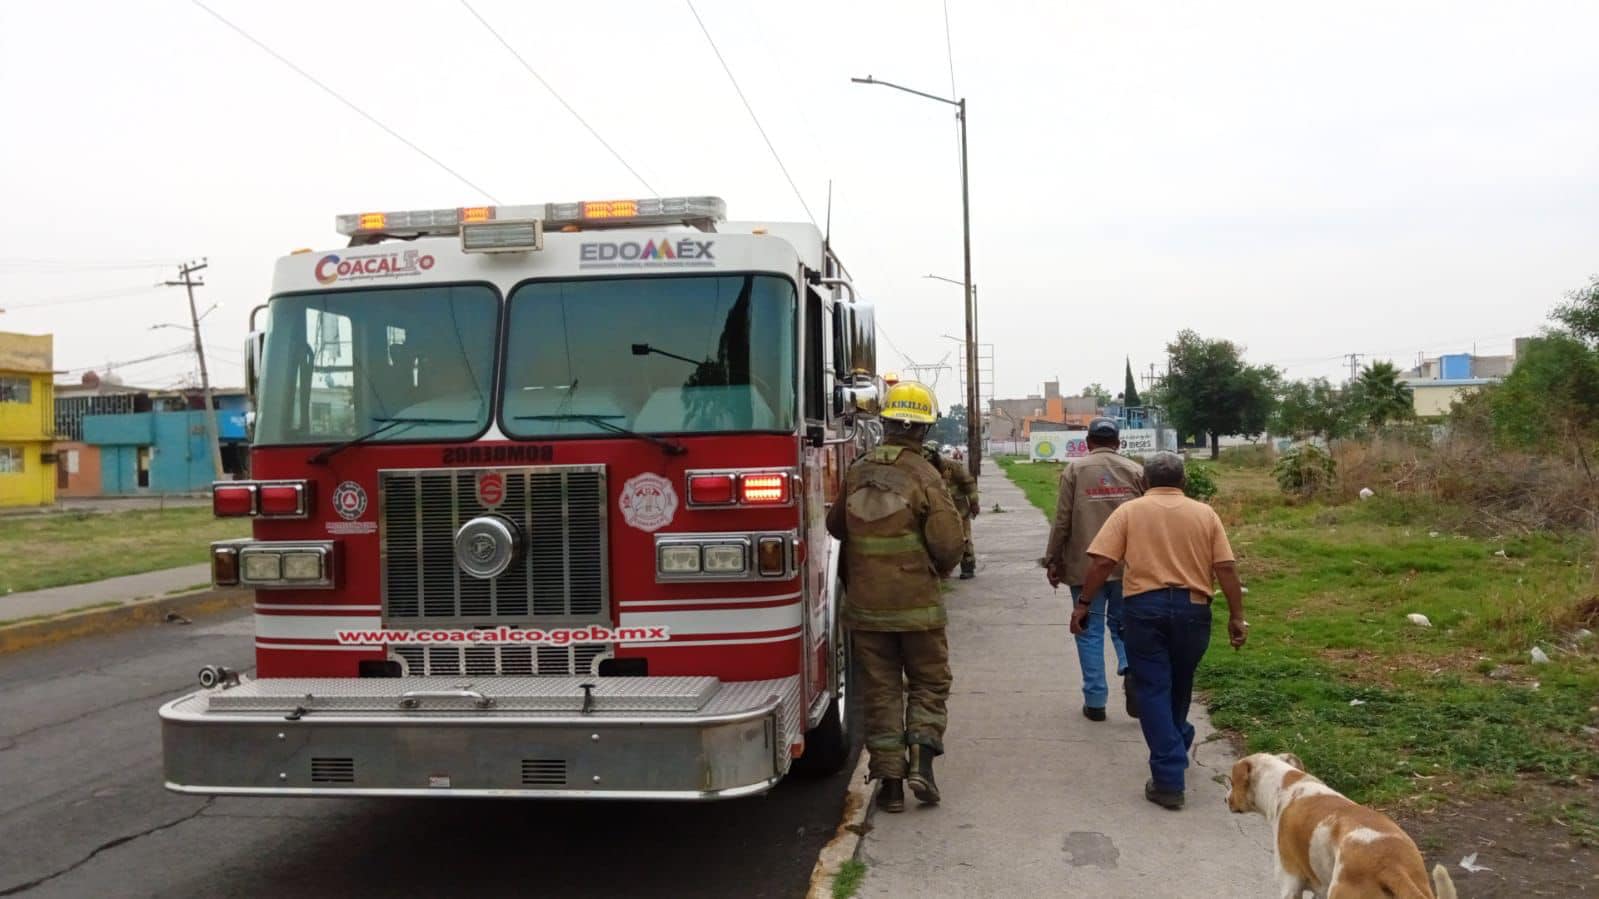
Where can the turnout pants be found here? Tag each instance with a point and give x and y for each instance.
(903, 685)
(968, 553)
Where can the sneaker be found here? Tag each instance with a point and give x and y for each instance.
(1131, 696)
(891, 795)
(1167, 799)
(1094, 713)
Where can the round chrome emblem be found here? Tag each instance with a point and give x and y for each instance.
(486, 546)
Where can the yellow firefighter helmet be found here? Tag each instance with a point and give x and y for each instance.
(911, 402)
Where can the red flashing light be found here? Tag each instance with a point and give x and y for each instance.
(282, 500)
(764, 489)
(711, 490)
(233, 500)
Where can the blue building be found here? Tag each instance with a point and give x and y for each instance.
(167, 451)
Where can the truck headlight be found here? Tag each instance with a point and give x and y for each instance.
(679, 558)
(724, 558)
(302, 566)
(262, 566)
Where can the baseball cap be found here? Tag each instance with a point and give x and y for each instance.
(1102, 427)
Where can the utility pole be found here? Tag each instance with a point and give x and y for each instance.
(187, 271)
(1354, 365)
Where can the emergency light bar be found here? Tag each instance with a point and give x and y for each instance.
(702, 212)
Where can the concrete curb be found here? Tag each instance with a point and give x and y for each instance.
(111, 619)
(846, 841)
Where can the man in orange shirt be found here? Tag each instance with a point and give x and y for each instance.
(1172, 547)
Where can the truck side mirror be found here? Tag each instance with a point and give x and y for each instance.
(252, 364)
(862, 340)
(856, 399)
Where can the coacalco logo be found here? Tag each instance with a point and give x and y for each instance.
(332, 267)
(633, 254)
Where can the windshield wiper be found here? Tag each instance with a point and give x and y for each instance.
(323, 455)
(669, 447)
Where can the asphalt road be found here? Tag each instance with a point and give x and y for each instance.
(83, 812)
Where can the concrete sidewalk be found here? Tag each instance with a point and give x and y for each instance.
(1038, 800)
(56, 600)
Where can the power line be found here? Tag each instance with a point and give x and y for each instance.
(949, 48)
(342, 99)
(165, 354)
(74, 265)
(82, 298)
(894, 346)
(558, 98)
(751, 110)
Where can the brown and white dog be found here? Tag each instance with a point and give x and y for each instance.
(1326, 843)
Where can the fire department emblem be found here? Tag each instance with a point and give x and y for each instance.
(349, 500)
(490, 489)
(648, 502)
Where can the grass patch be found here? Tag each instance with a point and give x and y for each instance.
(73, 548)
(1039, 480)
(849, 878)
(1382, 709)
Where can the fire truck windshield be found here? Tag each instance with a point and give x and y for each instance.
(656, 355)
(414, 363)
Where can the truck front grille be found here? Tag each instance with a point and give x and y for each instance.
(559, 579)
(488, 661)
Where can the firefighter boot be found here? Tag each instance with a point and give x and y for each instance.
(921, 776)
(891, 795)
(968, 570)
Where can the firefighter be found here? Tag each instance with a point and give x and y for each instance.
(900, 534)
(962, 488)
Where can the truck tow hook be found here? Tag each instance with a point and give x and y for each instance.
(296, 715)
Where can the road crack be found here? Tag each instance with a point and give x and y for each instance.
(10, 740)
(109, 844)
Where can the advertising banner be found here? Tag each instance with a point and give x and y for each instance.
(1059, 446)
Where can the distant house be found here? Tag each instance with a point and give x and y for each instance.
(1436, 383)
(118, 440)
(27, 464)
(1015, 419)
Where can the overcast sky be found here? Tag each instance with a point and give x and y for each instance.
(1307, 180)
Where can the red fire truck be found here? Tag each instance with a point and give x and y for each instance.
(538, 510)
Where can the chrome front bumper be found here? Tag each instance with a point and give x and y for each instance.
(680, 738)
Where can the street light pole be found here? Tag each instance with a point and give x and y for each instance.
(974, 417)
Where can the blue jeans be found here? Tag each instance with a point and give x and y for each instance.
(1104, 615)
(1167, 634)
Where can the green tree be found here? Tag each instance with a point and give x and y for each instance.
(1551, 400)
(951, 428)
(1130, 389)
(1379, 397)
(1098, 392)
(1580, 312)
(1212, 391)
(1313, 408)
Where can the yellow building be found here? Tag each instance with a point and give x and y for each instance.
(1432, 399)
(27, 421)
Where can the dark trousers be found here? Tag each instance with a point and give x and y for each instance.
(1166, 634)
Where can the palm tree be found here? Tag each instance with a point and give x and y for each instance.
(1380, 397)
